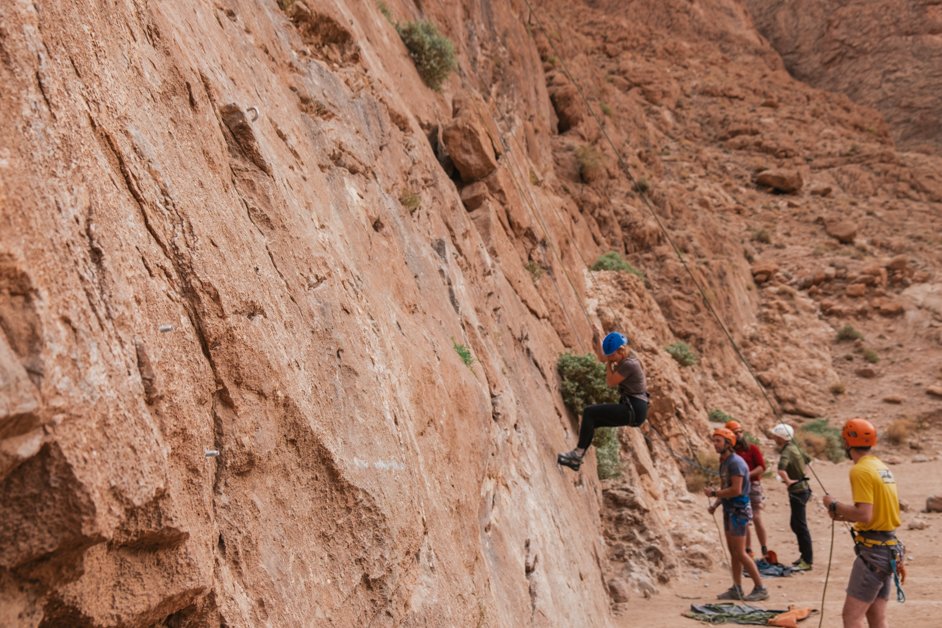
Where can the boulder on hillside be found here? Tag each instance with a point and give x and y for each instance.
(856, 290)
(844, 231)
(568, 106)
(934, 503)
(468, 144)
(763, 271)
(474, 195)
(886, 306)
(784, 181)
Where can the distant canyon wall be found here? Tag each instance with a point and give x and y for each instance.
(885, 54)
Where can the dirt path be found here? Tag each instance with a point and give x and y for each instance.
(923, 607)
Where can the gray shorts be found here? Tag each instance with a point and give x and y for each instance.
(756, 496)
(871, 576)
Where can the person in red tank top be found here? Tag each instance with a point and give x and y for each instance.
(756, 463)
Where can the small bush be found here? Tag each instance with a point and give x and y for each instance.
(590, 163)
(385, 11)
(536, 271)
(847, 334)
(837, 388)
(605, 108)
(607, 453)
(871, 356)
(614, 261)
(682, 352)
(718, 416)
(432, 52)
(464, 353)
(411, 201)
(821, 440)
(702, 471)
(583, 382)
(762, 236)
(641, 187)
(898, 431)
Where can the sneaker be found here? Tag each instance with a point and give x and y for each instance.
(758, 594)
(801, 565)
(569, 459)
(733, 593)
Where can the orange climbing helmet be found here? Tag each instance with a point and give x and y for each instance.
(727, 434)
(859, 433)
(732, 426)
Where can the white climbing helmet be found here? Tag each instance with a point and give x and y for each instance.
(783, 430)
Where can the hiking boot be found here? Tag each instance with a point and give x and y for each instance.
(733, 593)
(801, 565)
(758, 594)
(570, 459)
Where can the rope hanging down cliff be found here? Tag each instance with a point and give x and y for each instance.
(776, 412)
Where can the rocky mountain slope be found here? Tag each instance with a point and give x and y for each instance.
(281, 322)
(886, 54)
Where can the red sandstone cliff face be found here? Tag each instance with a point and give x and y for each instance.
(252, 230)
(887, 55)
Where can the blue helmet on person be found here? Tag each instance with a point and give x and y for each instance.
(613, 342)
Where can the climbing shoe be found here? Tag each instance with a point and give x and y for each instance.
(801, 565)
(733, 593)
(758, 594)
(570, 459)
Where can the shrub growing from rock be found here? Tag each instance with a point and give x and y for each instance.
(464, 353)
(583, 383)
(898, 431)
(847, 333)
(821, 439)
(614, 261)
(682, 353)
(432, 52)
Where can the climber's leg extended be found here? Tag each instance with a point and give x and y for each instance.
(598, 415)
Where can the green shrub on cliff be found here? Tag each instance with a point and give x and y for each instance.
(432, 52)
(583, 383)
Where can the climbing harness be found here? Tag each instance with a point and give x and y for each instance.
(870, 539)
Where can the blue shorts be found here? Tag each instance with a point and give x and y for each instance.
(736, 520)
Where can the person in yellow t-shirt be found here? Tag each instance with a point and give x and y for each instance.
(875, 513)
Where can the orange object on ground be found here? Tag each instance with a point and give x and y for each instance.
(790, 618)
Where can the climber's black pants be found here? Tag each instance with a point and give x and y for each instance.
(632, 411)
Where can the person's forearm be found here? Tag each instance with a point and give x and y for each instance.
(850, 512)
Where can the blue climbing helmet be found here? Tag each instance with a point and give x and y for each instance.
(613, 342)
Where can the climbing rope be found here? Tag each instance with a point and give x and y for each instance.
(703, 295)
(776, 413)
(827, 576)
(720, 534)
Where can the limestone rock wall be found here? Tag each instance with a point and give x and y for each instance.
(280, 323)
(226, 229)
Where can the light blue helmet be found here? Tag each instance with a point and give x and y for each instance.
(613, 342)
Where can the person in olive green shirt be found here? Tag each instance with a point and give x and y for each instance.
(875, 513)
(791, 468)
